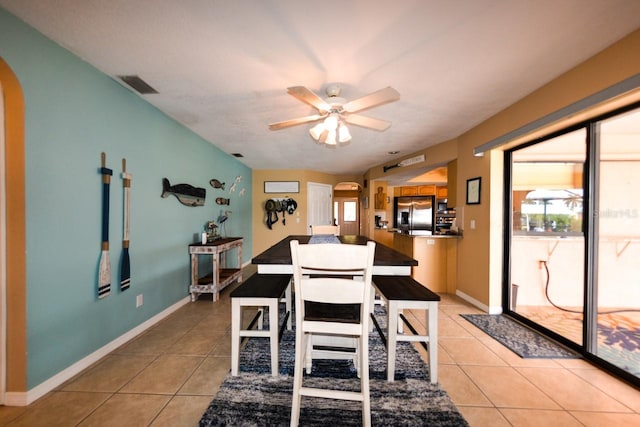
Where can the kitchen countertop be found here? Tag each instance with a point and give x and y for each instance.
(431, 236)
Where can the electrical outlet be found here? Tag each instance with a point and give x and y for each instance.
(139, 301)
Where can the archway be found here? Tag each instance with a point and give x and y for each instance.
(14, 301)
(347, 209)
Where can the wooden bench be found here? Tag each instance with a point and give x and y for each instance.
(400, 292)
(260, 290)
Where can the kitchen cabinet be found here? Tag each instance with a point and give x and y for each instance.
(418, 190)
(426, 190)
(441, 192)
(383, 236)
(437, 258)
(409, 191)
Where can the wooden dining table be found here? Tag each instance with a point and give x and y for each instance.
(386, 262)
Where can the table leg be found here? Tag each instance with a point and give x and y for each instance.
(287, 303)
(194, 276)
(432, 328)
(215, 277)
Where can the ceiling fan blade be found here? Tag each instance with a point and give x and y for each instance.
(307, 96)
(298, 121)
(374, 99)
(367, 122)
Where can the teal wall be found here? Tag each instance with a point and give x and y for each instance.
(73, 113)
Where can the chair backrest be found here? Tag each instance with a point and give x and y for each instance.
(325, 229)
(332, 273)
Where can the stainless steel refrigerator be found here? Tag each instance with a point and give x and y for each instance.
(414, 215)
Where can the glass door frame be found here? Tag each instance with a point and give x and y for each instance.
(590, 232)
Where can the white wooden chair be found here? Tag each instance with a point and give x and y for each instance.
(325, 229)
(313, 290)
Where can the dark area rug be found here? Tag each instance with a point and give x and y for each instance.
(255, 398)
(523, 341)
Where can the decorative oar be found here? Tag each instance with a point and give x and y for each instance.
(125, 273)
(104, 279)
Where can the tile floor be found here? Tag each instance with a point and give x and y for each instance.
(168, 375)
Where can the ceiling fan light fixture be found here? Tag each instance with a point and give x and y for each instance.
(334, 113)
(343, 133)
(331, 122)
(331, 138)
(317, 130)
(323, 136)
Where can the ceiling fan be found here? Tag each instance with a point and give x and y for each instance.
(336, 111)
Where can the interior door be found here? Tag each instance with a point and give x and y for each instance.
(319, 204)
(346, 215)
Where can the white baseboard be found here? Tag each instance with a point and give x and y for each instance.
(478, 304)
(26, 398)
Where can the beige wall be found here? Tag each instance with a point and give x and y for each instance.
(480, 250)
(263, 237)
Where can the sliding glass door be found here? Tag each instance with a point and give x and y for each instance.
(617, 295)
(573, 269)
(547, 239)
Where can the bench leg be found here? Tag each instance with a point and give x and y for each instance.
(273, 335)
(236, 324)
(432, 329)
(392, 333)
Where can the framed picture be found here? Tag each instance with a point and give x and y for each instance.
(473, 191)
(282, 186)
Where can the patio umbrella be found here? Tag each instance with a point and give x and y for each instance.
(547, 196)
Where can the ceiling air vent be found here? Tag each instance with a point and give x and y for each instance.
(138, 84)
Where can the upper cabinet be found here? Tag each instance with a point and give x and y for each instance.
(423, 190)
(426, 190)
(409, 191)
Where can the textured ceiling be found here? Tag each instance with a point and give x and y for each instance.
(222, 67)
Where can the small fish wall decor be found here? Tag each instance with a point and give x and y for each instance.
(187, 194)
(217, 184)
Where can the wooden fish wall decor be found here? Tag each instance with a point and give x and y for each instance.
(216, 183)
(187, 194)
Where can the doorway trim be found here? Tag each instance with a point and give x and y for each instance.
(14, 309)
(325, 201)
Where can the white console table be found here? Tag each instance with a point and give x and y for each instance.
(220, 276)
